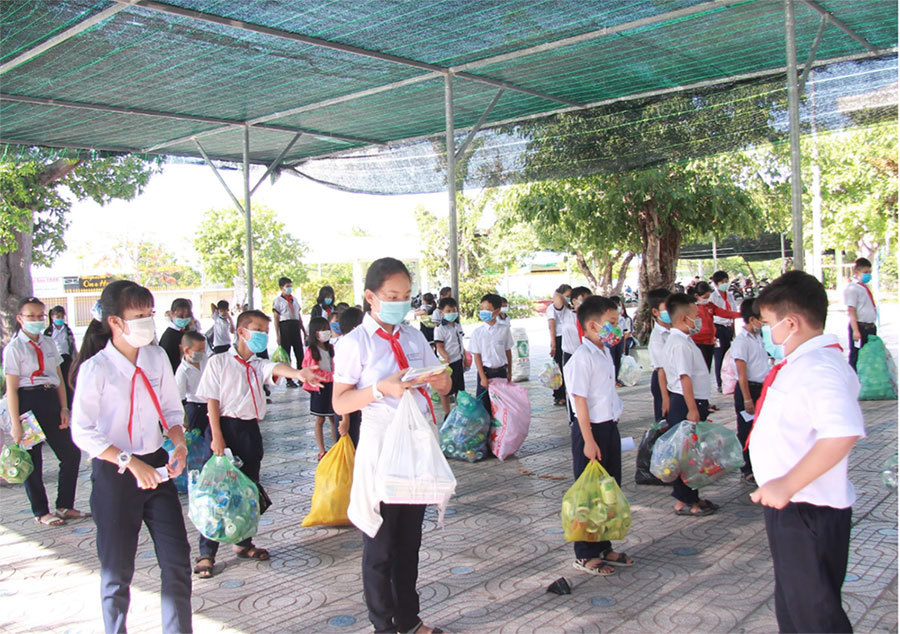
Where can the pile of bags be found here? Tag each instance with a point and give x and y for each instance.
(197, 454)
(698, 453)
(629, 371)
(595, 509)
(550, 377)
(223, 503)
(511, 417)
(464, 434)
(334, 478)
(15, 464)
(877, 372)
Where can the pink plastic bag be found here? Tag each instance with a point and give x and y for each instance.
(510, 417)
(729, 374)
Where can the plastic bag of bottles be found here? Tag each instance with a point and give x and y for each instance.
(642, 473)
(889, 473)
(629, 371)
(15, 464)
(594, 509)
(670, 452)
(550, 377)
(877, 372)
(715, 451)
(334, 477)
(223, 503)
(281, 356)
(464, 434)
(197, 454)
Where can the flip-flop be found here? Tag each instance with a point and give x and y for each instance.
(701, 511)
(252, 552)
(50, 520)
(205, 571)
(71, 514)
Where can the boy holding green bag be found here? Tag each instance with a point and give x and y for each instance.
(590, 378)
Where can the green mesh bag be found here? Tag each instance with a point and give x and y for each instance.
(877, 372)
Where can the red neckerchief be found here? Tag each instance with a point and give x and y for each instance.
(162, 419)
(248, 368)
(580, 331)
(400, 357)
(871, 297)
(770, 378)
(40, 360)
(725, 297)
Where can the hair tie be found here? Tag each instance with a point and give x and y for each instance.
(96, 311)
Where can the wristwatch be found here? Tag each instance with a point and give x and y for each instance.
(376, 392)
(122, 460)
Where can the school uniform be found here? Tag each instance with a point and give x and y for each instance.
(36, 363)
(392, 533)
(171, 343)
(321, 310)
(289, 325)
(567, 326)
(658, 337)
(624, 324)
(187, 379)
(558, 314)
(491, 342)
(355, 417)
(127, 406)
(681, 356)
(64, 339)
(748, 347)
(320, 397)
(450, 335)
(810, 396)
(724, 330)
(238, 387)
(591, 374)
(859, 296)
(221, 334)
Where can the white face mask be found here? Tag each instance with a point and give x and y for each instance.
(140, 331)
(198, 357)
(323, 335)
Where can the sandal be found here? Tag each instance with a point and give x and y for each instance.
(252, 552)
(714, 408)
(601, 569)
(559, 402)
(72, 514)
(50, 520)
(321, 455)
(700, 512)
(706, 504)
(204, 571)
(622, 559)
(749, 479)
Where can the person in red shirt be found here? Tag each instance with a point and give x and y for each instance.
(706, 338)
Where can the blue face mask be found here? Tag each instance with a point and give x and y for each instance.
(664, 317)
(775, 350)
(485, 315)
(181, 322)
(451, 317)
(336, 327)
(328, 301)
(258, 341)
(723, 287)
(33, 327)
(866, 278)
(59, 322)
(393, 312)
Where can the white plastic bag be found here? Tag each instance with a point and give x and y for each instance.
(629, 371)
(521, 359)
(411, 468)
(729, 374)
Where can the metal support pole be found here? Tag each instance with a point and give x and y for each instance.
(715, 254)
(812, 54)
(218, 176)
(451, 183)
(816, 184)
(248, 247)
(794, 111)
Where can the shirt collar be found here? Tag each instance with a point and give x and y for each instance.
(595, 349)
(119, 361)
(371, 326)
(189, 365)
(813, 344)
(678, 333)
(657, 327)
(26, 339)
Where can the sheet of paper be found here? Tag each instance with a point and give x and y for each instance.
(628, 443)
(747, 417)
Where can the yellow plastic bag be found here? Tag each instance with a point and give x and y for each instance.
(331, 495)
(594, 509)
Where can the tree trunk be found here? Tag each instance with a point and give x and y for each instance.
(586, 270)
(15, 284)
(750, 268)
(623, 271)
(660, 248)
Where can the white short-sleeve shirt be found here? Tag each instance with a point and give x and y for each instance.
(221, 331)
(225, 379)
(725, 302)
(103, 399)
(749, 348)
(813, 396)
(451, 336)
(187, 378)
(60, 336)
(857, 296)
(591, 374)
(682, 356)
(566, 326)
(20, 358)
(287, 310)
(658, 337)
(491, 342)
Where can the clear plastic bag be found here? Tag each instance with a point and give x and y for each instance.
(629, 371)
(594, 508)
(670, 452)
(550, 377)
(889, 473)
(223, 502)
(15, 464)
(715, 451)
(281, 356)
(197, 454)
(464, 434)
(334, 478)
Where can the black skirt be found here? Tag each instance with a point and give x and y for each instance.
(320, 402)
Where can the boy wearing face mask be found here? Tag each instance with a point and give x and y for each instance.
(171, 339)
(448, 339)
(591, 388)
(656, 299)
(288, 323)
(807, 422)
(232, 384)
(491, 346)
(187, 378)
(860, 308)
(752, 365)
(687, 378)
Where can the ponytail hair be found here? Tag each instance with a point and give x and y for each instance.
(379, 271)
(315, 326)
(114, 300)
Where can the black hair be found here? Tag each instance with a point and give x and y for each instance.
(341, 307)
(428, 298)
(594, 307)
(222, 304)
(447, 301)
(325, 291)
(115, 299)
(191, 337)
(657, 296)
(57, 310)
(379, 271)
(748, 310)
(335, 315)
(861, 263)
(23, 303)
(284, 280)
(445, 292)
(677, 302)
(796, 292)
(563, 289)
(315, 326)
(616, 299)
(692, 290)
(493, 299)
(719, 276)
(247, 315)
(350, 319)
(702, 288)
(580, 291)
(180, 302)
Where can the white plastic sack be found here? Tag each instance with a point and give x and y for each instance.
(521, 370)
(411, 468)
(729, 374)
(510, 417)
(629, 371)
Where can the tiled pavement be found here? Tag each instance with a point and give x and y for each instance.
(488, 568)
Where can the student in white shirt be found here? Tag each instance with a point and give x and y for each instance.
(232, 384)
(350, 320)
(448, 340)
(724, 326)
(751, 363)
(572, 335)
(687, 380)
(625, 324)
(491, 347)
(446, 291)
(320, 353)
(223, 327)
(125, 397)
(187, 379)
(807, 422)
(34, 383)
(591, 380)
(62, 336)
(288, 324)
(656, 300)
(370, 362)
(562, 298)
(860, 308)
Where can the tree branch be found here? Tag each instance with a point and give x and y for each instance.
(57, 170)
(583, 265)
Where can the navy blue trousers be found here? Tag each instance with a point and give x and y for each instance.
(607, 437)
(678, 411)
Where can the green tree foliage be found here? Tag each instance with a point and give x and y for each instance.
(337, 276)
(149, 264)
(276, 253)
